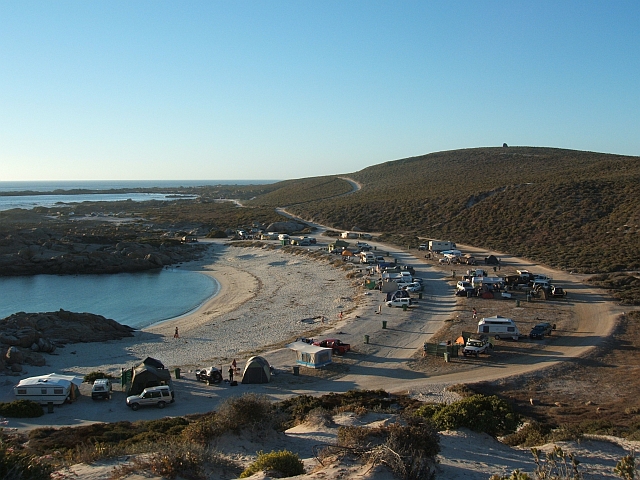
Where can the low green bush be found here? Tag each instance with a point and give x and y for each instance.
(530, 435)
(93, 376)
(479, 413)
(287, 464)
(21, 409)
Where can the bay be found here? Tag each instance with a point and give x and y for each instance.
(134, 299)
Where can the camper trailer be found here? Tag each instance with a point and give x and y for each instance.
(438, 246)
(499, 327)
(45, 389)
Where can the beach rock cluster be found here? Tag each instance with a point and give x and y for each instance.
(24, 337)
(41, 250)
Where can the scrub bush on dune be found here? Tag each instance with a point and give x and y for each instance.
(285, 463)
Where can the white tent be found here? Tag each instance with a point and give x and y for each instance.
(311, 355)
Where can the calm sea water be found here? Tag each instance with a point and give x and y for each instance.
(31, 201)
(134, 299)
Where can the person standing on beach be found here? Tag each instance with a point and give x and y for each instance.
(231, 374)
(234, 364)
(176, 335)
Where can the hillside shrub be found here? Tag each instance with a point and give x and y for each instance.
(529, 435)
(19, 465)
(93, 376)
(479, 413)
(21, 409)
(285, 463)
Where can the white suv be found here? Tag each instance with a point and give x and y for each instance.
(153, 396)
(101, 389)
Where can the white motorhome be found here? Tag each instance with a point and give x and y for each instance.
(499, 327)
(438, 246)
(45, 389)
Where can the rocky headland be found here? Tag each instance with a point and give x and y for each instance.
(49, 251)
(25, 336)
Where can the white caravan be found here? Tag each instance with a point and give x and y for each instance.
(45, 389)
(499, 327)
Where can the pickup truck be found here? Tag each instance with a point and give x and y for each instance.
(476, 345)
(336, 345)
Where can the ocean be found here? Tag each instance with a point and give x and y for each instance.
(134, 299)
(53, 198)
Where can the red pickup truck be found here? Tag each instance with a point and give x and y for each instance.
(336, 345)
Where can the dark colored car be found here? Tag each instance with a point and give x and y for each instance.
(209, 375)
(540, 330)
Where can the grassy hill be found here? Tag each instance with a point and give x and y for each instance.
(569, 209)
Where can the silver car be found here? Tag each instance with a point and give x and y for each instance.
(152, 396)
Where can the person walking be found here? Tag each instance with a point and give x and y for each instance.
(176, 334)
(231, 374)
(234, 364)
(340, 315)
(475, 313)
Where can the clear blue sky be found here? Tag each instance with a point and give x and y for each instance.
(288, 89)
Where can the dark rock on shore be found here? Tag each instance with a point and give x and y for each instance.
(44, 251)
(24, 336)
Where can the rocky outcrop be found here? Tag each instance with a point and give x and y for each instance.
(40, 251)
(25, 336)
(288, 227)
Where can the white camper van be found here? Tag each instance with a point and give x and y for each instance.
(45, 389)
(499, 327)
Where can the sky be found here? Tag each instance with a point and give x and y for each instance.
(274, 90)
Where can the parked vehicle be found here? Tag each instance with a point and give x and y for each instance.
(438, 246)
(151, 397)
(464, 286)
(558, 291)
(423, 246)
(541, 330)
(401, 302)
(336, 345)
(209, 375)
(476, 345)
(51, 388)
(414, 287)
(101, 389)
(499, 327)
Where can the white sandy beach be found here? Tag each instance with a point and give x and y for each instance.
(267, 298)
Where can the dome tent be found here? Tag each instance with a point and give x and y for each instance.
(257, 370)
(150, 373)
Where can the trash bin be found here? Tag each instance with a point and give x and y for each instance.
(366, 339)
(177, 373)
(517, 303)
(50, 407)
(384, 324)
(420, 295)
(446, 357)
(528, 297)
(469, 293)
(296, 370)
(405, 308)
